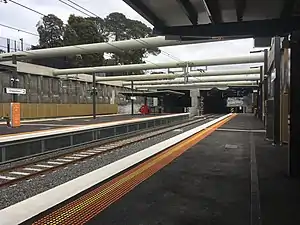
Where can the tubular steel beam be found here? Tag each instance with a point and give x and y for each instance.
(252, 77)
(115, 46)
(195, 85)
(194, 74)
(257, 58)
(267, 28)
(189, 10)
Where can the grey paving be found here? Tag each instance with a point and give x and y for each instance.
(211, 183)
(208, 184)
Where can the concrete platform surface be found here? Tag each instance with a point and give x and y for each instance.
(210, 184)
(63, 123)
(218, 181)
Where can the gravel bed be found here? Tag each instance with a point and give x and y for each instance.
(28, 188)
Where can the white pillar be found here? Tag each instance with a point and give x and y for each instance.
(194, 94)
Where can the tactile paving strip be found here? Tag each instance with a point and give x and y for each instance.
(89, 205)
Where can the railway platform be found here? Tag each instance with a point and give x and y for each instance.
(224, 173)
(40, 125)
(26, 144)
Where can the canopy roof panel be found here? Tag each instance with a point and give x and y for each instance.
(177, 13)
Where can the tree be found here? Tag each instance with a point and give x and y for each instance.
(84, 31)
(51, 31)
(119, 27)
(81, 30)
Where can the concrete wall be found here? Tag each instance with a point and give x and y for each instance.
(43, 89)
(49, 96)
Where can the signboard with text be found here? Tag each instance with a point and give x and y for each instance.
(235, 101)
(17, 91)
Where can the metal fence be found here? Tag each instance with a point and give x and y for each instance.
(9, 45)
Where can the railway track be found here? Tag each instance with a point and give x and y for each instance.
(26, 171)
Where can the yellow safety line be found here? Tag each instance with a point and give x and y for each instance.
(119, 182)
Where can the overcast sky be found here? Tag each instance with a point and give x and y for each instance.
(19, 17)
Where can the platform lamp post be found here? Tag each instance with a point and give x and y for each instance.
(14, 120)
(94, 93)
(132, 102)
(14, 80)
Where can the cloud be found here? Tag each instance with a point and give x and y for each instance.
(16, 16)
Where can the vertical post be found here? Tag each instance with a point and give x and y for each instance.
(265, 61)
(94, 96)
(22, 44)
(260, 94)
(132, 106)
(15, 45)
(14, 80)
(276, 123)
(265, 99)
(8, 45)
(257, 101)
(294, 142)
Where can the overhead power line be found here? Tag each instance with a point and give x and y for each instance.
(26, 7)
(74, 7)
(20, 30)
(83, 8)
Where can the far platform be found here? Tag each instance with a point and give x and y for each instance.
(64, 122)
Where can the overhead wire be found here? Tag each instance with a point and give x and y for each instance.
(26, 7)
(74, 7)
(83, 8)
(20, 30)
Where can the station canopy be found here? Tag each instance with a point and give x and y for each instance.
(220, 18)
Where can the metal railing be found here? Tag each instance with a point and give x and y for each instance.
(10, 45)
(10, 151)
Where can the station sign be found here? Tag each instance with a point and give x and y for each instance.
(17, 91)
(235, 101)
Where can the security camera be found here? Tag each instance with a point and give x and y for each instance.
(12, 79)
